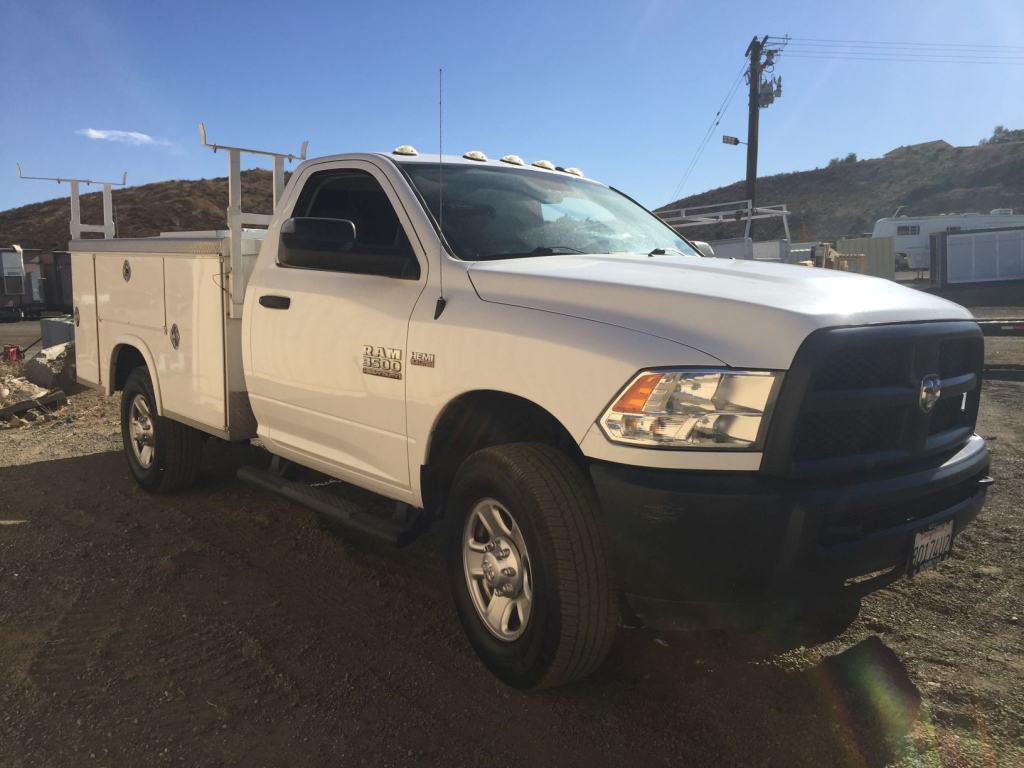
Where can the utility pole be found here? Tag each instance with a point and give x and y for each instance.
(754, 78)
(762, 93)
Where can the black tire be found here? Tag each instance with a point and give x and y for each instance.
(176, 449)
(574, 607)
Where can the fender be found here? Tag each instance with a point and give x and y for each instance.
(131, 340)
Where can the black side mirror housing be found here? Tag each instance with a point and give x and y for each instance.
(329, 244)
(312, 243)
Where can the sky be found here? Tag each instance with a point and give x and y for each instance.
(625, 90)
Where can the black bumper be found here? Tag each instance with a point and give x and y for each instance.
(705, 549)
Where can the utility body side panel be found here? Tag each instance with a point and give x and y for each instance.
(163, 297)
(193, 374)
(87, 351)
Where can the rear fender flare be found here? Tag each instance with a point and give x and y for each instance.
(130, 340)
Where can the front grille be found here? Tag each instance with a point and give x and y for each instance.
(862, 368)
(847, 433)
(950, 413)
(852, 399)
(955, 357)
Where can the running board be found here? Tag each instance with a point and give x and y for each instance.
(346, 513)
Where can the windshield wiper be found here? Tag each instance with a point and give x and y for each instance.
(543, 250)
(664, 251)
(548, 250)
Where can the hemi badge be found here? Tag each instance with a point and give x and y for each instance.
(421, 358)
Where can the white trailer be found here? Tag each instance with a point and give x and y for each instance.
(978, 257)
(912, 234)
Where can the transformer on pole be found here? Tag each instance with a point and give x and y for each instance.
(763, 92)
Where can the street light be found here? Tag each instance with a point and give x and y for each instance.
(732, 140)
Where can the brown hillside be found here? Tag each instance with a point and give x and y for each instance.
(139, 211)
(846, 199)
(842, 200)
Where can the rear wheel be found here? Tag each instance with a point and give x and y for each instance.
(528, 567)
(163, 454)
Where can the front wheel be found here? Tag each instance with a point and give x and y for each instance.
(163, 454)
(528, 566)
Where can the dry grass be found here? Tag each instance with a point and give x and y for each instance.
(847, 199)
(141, 211)
(844, 200)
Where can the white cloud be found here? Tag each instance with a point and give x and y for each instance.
(126, 137)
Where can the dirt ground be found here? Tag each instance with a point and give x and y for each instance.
(223, 627)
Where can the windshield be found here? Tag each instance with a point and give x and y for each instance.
(502, 213)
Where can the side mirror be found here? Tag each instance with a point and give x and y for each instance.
(311, 243)
(329, 245)
(705, 249)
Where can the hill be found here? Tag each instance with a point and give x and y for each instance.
(845, 199)
(141, 211)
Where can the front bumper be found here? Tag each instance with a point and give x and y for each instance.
(715, 549)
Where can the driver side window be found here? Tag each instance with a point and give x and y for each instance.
(357, 197)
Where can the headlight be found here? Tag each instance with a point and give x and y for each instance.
(718, 409)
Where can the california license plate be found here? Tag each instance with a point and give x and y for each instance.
(931, 547)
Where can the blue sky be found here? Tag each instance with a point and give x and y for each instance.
(624, 90)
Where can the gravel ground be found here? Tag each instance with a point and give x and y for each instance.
(222, 627)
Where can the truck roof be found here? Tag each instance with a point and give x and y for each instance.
(475, 157)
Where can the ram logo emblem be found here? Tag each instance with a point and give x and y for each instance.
(931, 390)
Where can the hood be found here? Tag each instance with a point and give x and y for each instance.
(745, 313)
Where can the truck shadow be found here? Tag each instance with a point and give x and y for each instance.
(752, 704)
(338, 619)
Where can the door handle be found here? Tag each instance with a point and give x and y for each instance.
(275, 302)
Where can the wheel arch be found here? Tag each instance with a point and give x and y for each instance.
(480, 419)
(126, 354)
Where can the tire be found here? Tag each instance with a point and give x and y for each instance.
(523, 523)
(163, 454)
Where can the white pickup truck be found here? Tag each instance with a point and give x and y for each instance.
(597, 411)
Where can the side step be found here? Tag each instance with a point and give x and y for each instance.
(346, 513)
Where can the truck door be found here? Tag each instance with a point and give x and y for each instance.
(327, 345)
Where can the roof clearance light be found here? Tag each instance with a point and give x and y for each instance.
(477, 155)
(405, 149)
(513, 160)
(574, 171)
(547, 165)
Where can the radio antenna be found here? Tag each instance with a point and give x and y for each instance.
(439, 308)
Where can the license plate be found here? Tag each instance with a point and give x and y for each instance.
(931, 547)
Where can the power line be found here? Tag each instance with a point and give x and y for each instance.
(854, 56)
(988, 53)
(935, 53)
(710, 131)
(876, 43)
(856, 51)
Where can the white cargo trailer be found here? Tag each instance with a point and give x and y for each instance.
(912, 233)
(991, 256)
